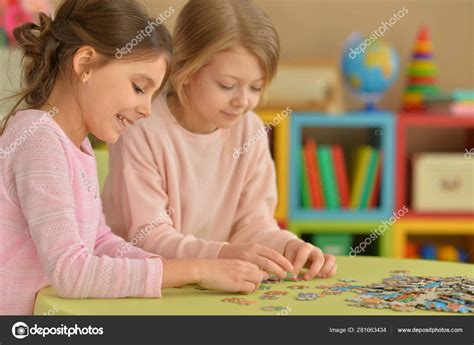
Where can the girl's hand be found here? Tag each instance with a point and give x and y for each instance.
(265, 258)
(301, 254)
(229, 275)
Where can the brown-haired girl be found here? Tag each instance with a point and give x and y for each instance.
(225, 54)
(52, 229)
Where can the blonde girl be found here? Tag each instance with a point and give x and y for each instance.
(226, 53)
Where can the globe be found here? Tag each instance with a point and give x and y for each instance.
(369, 68)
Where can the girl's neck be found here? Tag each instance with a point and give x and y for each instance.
(69, 116)
(190, 122)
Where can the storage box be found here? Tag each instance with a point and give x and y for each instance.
(335, 244)
(443, 182)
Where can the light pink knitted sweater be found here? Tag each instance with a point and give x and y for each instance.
(52, 229)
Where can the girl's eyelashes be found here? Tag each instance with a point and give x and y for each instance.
(137, 89)
(226, 87)
(229, 87)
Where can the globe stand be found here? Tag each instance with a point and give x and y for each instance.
(370, 107)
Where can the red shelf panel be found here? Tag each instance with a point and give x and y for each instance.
(410, 120)
(412, 215)
(434, 120)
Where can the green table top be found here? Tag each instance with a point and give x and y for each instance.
(188, 300)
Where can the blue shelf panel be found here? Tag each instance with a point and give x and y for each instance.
(384, 121)
(339, 215)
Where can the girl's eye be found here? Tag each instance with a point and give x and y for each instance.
(226, 87)
(137, 89)
(256, 89)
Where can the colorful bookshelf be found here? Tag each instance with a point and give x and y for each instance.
(279, 144)
(422, 133)
(349, 130)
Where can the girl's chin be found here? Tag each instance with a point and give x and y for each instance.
(110, 138)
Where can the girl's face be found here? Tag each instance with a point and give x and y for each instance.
(222, 91)
(117, 95)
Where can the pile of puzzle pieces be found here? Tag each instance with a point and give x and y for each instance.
(403, 292)
(399, 292)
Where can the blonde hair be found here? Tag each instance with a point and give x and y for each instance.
(206, 27)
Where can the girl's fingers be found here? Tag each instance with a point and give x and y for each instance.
(276, 257)
(333, 271)
(252, 274)
(270, 266)
(246, 287)
(317, 262)
(302, 256)
(291, 256)
(329, 263)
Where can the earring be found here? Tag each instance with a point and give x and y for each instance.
(84, 79)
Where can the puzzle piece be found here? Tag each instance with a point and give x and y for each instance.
(272, 308)
(298, 287)
(273, 295)
(307, 296)
(343, 280)
(237, 300)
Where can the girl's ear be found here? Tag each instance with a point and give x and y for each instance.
(83, 59)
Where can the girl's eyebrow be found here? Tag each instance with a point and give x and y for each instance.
(234, 77)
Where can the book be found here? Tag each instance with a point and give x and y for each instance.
(305, 198)
(326, 168)
(314, 178)
(341, 175)
(360, 164)
(378, 179)
(370, 177)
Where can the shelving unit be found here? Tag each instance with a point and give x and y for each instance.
(441, 133)
(421, 133)
(461, 230)
(383, 245)
(398, 136)
(278, 138)
(349, 130)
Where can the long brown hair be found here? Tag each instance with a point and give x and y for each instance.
(106, 25)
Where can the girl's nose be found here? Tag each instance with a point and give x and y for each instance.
(145, 110)
(240, 100)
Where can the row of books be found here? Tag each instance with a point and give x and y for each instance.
(326, 181)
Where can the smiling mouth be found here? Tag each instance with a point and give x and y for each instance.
(231, 114)
(126, 122)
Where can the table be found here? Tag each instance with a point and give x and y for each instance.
(189, 300)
